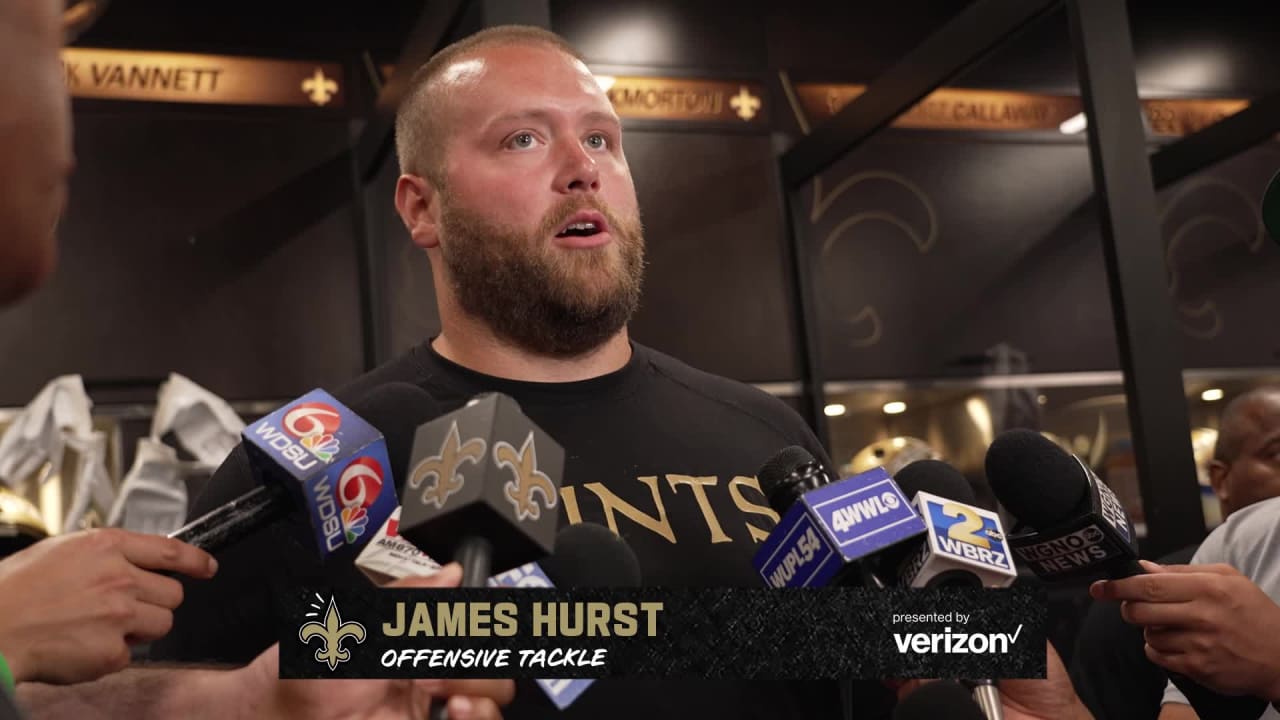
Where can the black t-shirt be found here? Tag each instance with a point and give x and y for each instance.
(1110, 670)
(664, 454)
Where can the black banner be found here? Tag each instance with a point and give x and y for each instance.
(654, 632)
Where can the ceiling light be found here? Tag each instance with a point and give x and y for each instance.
(1074, 124)
(895, 408)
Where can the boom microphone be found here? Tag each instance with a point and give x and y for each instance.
(829, 531)
(318, 454)
(1071, 526)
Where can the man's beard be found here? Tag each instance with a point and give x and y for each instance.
(545, 299)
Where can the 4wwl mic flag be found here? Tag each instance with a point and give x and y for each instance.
(801, 633)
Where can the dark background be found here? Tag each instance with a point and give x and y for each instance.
(143, 290)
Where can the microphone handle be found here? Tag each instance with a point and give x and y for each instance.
(987, 696)
(475, 555)
(229, 523)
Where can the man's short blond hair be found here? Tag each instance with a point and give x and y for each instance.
(420, 132)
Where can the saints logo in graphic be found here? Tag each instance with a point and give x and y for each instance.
(332, 631)
(444, 468)
(528, 479)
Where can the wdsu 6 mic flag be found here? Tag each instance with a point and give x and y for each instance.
(582, 633)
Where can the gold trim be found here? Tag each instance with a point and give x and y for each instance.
(969, 109)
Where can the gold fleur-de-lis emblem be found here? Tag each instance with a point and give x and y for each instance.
(320, 88)
(745, 103)
(331, 633)
(444, 468)
(528, 479)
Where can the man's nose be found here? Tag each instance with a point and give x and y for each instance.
(579, 172)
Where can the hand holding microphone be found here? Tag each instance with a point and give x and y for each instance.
(1208, 622)
(1052, 698)
(70, 606)
(1072, 527)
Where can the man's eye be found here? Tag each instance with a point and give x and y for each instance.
(521, 141)
(597, 142)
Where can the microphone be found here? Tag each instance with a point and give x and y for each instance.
(483, 488)
(963, 545)
(316, 453)
(592, 556)
(937, 699)
(829, 531)
(1071, 526)
(586, 555)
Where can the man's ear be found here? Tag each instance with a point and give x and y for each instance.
(418, 204)
(1218, 479)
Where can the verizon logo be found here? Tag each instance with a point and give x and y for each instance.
(956, 643)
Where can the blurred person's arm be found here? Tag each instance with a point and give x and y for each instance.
(256, 691)
(70, 606)
(35, 141)
(1177, 711)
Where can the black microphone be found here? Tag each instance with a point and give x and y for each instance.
(483, 488)
(586, 555)
(1071, 526)
(937, 699)
(339, 464)
(593, 556)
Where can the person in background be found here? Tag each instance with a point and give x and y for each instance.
(1110, 668)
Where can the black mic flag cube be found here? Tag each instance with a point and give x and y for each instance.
(485, 470)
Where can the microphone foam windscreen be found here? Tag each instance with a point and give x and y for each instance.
(591, 555)
(397, 410)
(782, 464)
(938, 699)
(937, 478)
(1037, 481)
